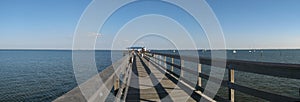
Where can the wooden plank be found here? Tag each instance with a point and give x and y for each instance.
(184, 84)
(161, 89)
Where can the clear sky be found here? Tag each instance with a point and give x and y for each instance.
(26, 24)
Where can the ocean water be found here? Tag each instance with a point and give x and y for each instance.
(44, 75)
(40, 75)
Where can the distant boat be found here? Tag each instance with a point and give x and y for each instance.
(234, 51)
(174, 51)
(250, 51)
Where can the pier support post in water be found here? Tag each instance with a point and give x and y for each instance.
(182, 65)
(199, 82)
(231, 81)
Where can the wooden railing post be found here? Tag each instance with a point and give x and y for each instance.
(116, 84)
(199, 78)
(165, 61)
(231, 81)
(172, 67)
(155, 58)
(159, 61)
(182, 65)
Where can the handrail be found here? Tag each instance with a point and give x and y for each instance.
(184, 84)
(266, 68)
(291, 71)
(93, 88)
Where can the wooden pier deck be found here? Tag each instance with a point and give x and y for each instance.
(148, 79)
(147, 83)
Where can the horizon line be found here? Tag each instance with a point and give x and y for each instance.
(152, 49)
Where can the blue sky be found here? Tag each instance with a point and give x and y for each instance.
(259, 23)
(39, 23)
(27, 24)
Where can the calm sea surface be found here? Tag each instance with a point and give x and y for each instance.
(34, 76)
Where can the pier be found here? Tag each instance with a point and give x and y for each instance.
(149, 78)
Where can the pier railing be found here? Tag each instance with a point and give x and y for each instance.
(291, 71)
(111, 78)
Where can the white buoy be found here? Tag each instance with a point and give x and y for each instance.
(234, 51)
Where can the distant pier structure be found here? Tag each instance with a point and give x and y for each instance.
(137, 48)
(148, 78)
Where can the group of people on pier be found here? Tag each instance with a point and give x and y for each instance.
(133, 52)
